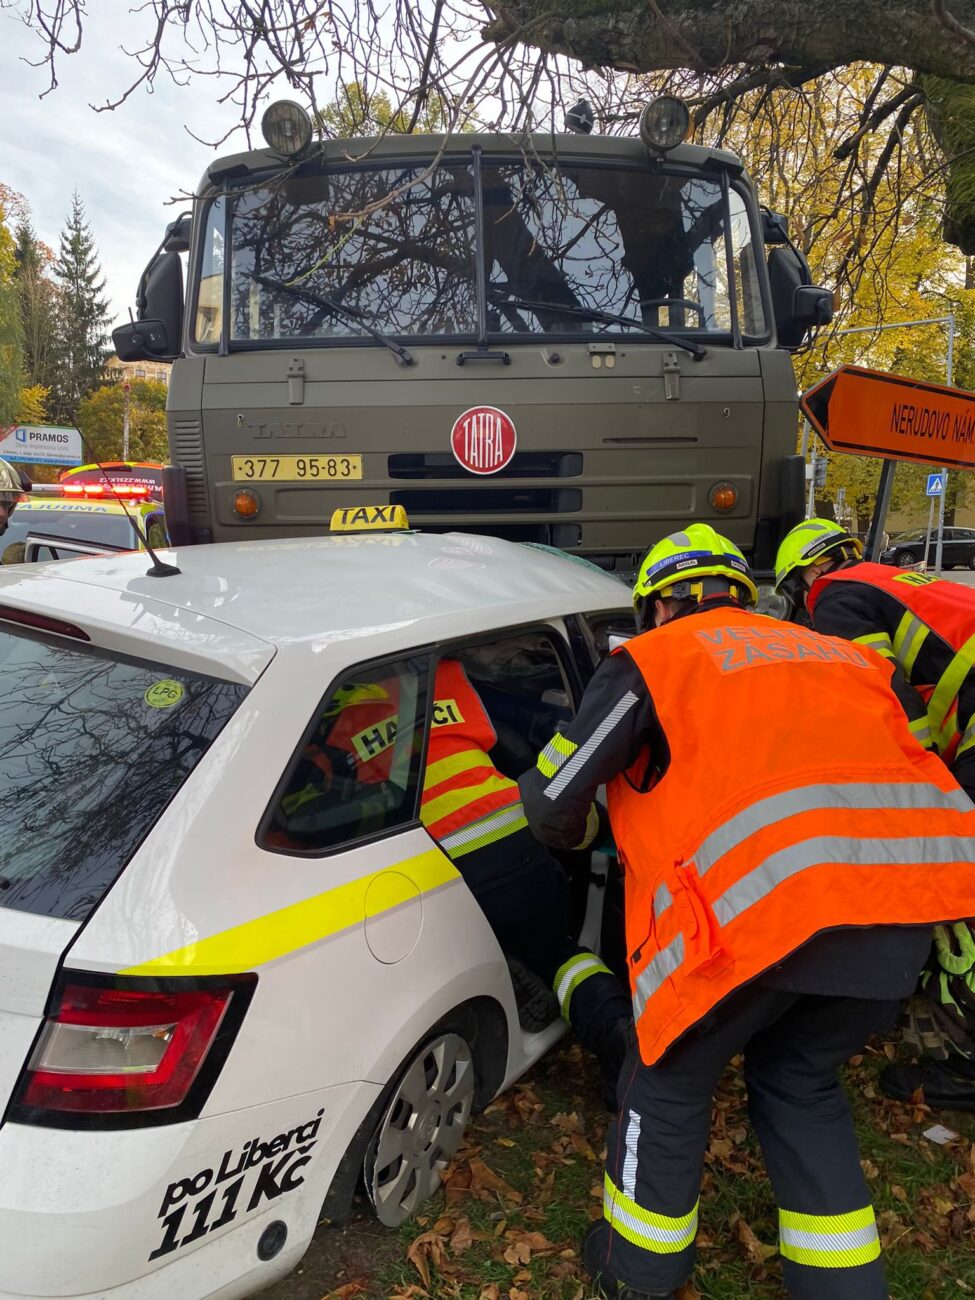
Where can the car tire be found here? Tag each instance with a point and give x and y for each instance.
(971, 560)
(421, 1125)
(907, 559)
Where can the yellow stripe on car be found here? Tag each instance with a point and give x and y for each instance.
(266, 938)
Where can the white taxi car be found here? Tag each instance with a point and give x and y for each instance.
(219, 1014)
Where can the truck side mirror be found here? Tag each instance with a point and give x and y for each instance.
(775, 227)
(155, 336)
(797, 305)
(178, 234)
(142, 340)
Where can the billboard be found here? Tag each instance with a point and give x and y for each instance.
(40, 444)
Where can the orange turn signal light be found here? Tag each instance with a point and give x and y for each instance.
(724, 497)
(246, 503)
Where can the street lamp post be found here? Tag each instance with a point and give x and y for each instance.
(126, 387)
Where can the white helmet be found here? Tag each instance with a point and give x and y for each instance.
(14, 487)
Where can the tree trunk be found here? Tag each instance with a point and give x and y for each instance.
(649, 35)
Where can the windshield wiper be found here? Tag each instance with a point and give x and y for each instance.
(335, 308)
(604, 317)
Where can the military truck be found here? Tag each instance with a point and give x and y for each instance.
(575, 340)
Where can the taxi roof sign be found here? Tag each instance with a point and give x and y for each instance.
(368, 519)
(871, 413)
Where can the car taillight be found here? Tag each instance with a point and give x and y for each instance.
(111, 1048)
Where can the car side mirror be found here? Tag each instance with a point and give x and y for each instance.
(797, 305)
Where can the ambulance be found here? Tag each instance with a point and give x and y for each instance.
(64, 520)
(220, 1018)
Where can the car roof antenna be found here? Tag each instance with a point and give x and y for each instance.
(160, 569)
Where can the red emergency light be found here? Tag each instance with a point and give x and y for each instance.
(99, 491)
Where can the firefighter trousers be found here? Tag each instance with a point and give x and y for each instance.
(529, 914)
(794, 1045)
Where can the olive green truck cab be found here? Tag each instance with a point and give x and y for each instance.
(576, 340)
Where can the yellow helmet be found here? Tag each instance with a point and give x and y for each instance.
(683, 560)
(806, 544)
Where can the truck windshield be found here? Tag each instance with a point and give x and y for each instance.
(670, 251)
(94, 746)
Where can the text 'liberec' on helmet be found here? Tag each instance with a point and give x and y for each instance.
(679, 565)
(808, 543)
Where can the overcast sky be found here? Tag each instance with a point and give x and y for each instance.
(125, 164)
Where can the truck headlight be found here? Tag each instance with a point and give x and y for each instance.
(664, 123)
(772, 602)
(287, 128)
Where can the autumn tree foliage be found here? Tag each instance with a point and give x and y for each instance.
(11, 345)
(101, 416)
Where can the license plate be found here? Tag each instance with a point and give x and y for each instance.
(295, 469)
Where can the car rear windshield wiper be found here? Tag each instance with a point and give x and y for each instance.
(335, 308)
(605, 317)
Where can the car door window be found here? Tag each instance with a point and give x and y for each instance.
(617, 623)
(355, 774)
(526, 688)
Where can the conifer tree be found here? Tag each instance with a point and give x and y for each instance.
(82, 335)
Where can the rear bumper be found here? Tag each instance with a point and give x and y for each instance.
(148, 1214)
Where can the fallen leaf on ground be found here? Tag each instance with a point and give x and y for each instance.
(484, 1178)
(756, 1250)
(427, 1249)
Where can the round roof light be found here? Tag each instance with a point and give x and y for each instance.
(286, 127)
(664, 123)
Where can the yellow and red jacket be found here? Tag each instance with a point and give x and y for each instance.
(925, 605)
(466, 803)
(795, 801)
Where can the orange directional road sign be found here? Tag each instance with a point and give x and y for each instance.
(871, 413)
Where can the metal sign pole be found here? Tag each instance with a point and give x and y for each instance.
(950, 368)
(875, 537)
(927, 538)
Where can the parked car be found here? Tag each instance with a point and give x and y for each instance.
(958, 551)
(225, 1004)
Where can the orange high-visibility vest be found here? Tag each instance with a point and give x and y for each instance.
(930, 605)
(795, 801)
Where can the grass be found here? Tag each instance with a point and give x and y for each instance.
(528, 1182)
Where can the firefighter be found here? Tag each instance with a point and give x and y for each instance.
(925, 626)
(787, 845)
(14, 486)
(475, 815)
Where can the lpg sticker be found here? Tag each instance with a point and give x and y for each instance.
(262, 1170)
(164, 694)
(483, 439)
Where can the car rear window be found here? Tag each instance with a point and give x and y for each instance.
(85, 523)
(93, 746)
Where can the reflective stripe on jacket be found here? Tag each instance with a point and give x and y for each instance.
(930, 605)
(795, 801)
(466, 803)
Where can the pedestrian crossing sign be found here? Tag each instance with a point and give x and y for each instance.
(936, 484)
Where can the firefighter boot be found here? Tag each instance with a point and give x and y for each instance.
(595, 1247)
